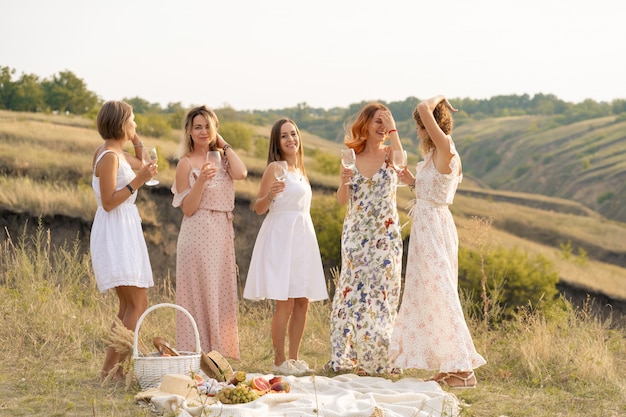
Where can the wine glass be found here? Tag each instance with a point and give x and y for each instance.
(399, 163)
(150, 156)
(216, 158)
(280, 172)
(348, 160)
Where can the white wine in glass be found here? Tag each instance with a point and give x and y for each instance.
(216, 158)
(150, 156)
(348, 160)
(280, 171)
(399, 163)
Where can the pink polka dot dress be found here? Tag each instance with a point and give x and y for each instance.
(206, 275)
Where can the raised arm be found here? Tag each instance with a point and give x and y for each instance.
(392, 132)
(440, 139)
(236, 168)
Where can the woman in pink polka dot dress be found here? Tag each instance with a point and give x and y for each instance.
(206, 277)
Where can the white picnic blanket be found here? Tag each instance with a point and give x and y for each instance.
(346, 395)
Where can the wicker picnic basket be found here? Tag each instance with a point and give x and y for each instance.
(149, 369)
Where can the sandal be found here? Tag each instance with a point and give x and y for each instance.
(396, 373)
(447, 378)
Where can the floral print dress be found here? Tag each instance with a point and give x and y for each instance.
(431, 332)
(367, 293)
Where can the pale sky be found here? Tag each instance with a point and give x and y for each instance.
(271, 54)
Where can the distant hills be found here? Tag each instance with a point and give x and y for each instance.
(583, 161)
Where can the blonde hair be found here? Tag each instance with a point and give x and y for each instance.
(214, 124)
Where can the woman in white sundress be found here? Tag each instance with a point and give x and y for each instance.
(119, 255)
(286, 265)
(430, 331)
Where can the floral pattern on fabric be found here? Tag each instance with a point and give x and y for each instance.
(431, 332)
(367, 293)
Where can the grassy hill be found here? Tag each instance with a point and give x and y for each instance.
(55, 323)
(583, 162)
(45, 171)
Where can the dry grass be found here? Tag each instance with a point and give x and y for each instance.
(55, 326)
(586, 273)
(55, 323)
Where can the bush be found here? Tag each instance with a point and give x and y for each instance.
(154, 125)
(237, 134)
(261, 147)
(328, 217)
(326, 163)
(522, 280)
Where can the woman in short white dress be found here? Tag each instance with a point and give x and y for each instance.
(118, 249)
(286, 265)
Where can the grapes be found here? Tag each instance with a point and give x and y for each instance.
(240, 394)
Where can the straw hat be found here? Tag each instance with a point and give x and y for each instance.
(215, 366)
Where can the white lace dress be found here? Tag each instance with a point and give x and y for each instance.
(430, 331)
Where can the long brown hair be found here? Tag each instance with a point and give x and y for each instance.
(443, 117)
(358, 130)
(274, 152)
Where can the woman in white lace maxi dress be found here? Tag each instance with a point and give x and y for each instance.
(119, 255)
(431, 332)
(367, 294)
(286, 265)
(206, 272)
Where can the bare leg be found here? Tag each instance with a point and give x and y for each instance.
(133, 302)
(297, 324)
(279, 328)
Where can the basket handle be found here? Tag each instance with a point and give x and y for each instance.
(154, 307)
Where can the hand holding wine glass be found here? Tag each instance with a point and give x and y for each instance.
(280, 172)
(215, 158)
(348, 160)
(399, 163)
(149, 156)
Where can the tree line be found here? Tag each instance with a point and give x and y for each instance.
(67, 93)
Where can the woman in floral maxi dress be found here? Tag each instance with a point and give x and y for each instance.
(367, 293)
(430, 331)
(206, 274)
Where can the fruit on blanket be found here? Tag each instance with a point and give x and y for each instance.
(261, 384)
(198, 378)
(281, 386)
(276, 379)
(238, 395)
(239, 376)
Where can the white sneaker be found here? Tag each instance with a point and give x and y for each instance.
(300, 365)
(286, 368)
